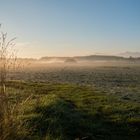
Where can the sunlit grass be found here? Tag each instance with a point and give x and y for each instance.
(68, 111)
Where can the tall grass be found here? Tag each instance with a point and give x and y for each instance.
(9, 112)
(12, 126)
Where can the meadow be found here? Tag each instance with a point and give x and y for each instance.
(96, 101)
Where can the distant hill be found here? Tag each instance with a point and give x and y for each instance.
(84, 58)
(98, 57)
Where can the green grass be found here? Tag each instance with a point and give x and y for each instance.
(68, 111)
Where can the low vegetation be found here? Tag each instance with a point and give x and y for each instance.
(69, 112)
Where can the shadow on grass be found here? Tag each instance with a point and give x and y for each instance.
(62, 120)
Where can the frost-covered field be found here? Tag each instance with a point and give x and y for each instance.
(118, 78)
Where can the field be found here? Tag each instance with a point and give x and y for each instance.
(114, 78)
(93, 101)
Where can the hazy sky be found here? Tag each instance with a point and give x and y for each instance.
(72, 27)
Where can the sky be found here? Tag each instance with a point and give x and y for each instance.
(72, 27)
